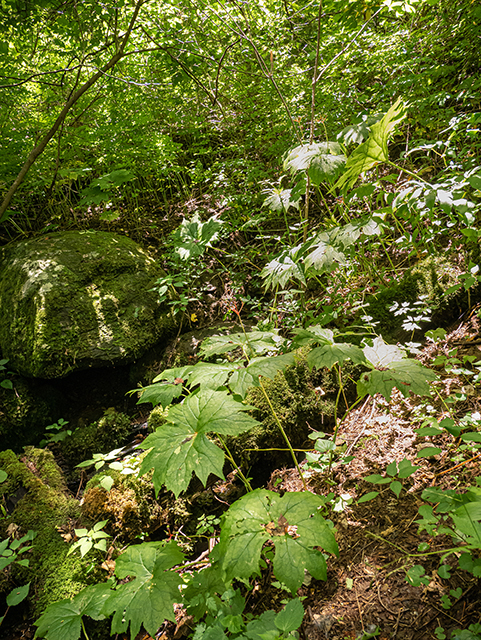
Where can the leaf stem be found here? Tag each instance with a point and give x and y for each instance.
(230, 457)
(84, 629)
(284, 434)
(415, 555)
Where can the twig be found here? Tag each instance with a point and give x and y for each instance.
(359, 608)
(357, 438)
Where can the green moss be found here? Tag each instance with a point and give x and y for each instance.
(157, 418)
(108, 433)
(302, 399)
(74, 299)
(130, 506)
(36, 485)
(429, 279)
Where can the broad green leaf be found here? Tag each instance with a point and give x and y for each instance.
(288, 266)
(200, 588)
(280, 200)
(471, 436)
(178, 373)
(349, 233)
(326, 167)
(323, 161)
(396, 487)
(315, 333)
(193, 237)
(262, 628)
(406, 468)
(357, 133)
(294, 525)
(331, 354)
(149, 598)
(406, 375)
(290, 618)
(211, 376)
(244, 378)
(382, 354)
(3, 475)
(368, 496)
(428, 452)
(374, 149)
(253, 343)
(325, 254)
(61, 620)
(16, 596)
(376, 478)
(160, 393)
(181, 447)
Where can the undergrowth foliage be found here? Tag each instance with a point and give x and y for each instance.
(291, 531)
(358, 206)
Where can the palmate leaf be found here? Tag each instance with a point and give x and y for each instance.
(325, 254)
(285, 267)
(409, 376)
(294, 525)
(330, 354)
(315, 333)
(253, 343)
(374, 149)
(160, 393)
(61, 620)
(149, 598)
(323, 161)
(181, 446)
(382, 354)
(350, 233)
(245, 377)
(280, 200)
(357, 133)
(193, 237)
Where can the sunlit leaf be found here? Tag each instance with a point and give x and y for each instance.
(147, 599)
(374, 149)
(193, 237)
(280, 200)
(381, 354)
(181, 447)
(293, 524)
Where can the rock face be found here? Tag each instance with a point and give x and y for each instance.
(77, 299)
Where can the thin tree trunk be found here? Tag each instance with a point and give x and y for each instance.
(39, 148)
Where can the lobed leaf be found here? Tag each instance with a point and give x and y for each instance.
(406, 375)
(374, 149)
(61, 620)
(149, 598)
(293, 524)
(181, 446)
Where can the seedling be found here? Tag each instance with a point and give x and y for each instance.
(87, 539)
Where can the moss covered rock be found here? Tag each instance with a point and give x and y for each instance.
(77, 299)
(36, 499)
(102, 436)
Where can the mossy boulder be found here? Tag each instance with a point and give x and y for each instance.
(78, 299)
(36, 498)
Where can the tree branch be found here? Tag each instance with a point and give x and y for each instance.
(74, 97)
